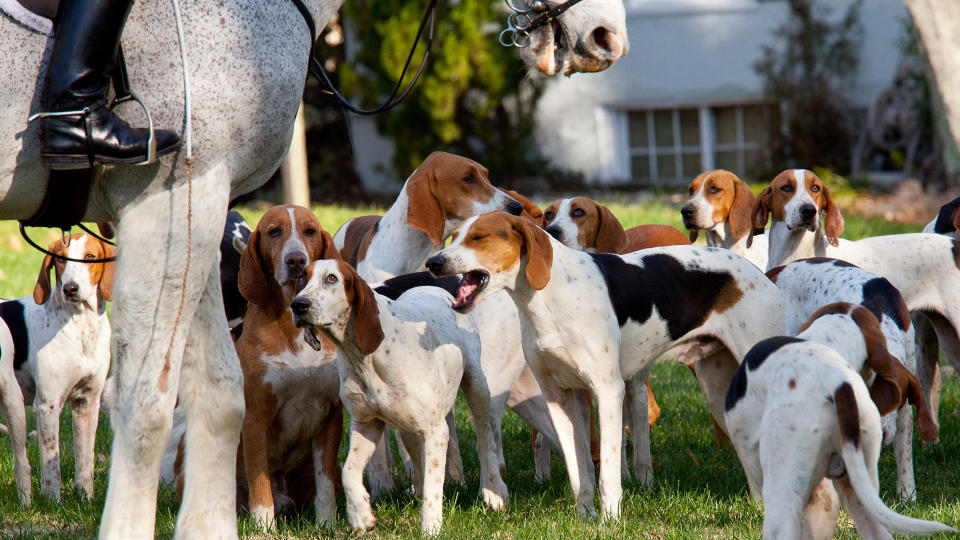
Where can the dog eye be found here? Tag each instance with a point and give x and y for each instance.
(786, 188)
(310, 232)
(478, 237)
(690, 191)
(301, 283)
(713, 190)
(331, 279)
(815, 188)
(578, 213)
(275, 232)
(549, 216)
(470, 179)
(90, 256)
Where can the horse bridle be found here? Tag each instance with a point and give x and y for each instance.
(523, 21)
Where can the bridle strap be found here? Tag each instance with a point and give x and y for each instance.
(315, 66)
(547, 17)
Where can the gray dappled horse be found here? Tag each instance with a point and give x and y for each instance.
(247, 62)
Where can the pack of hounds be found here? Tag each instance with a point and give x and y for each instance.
(811, 351)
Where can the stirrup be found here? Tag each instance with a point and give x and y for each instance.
(151, 140)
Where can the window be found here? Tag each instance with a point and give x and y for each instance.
(674, 145)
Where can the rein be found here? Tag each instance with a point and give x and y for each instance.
(23, 233)
(315, 66)
(523, 21)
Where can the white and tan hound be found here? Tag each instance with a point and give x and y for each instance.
(294, 421)
(720, 205)
(591, 321)
(925, 268)
(400, 363)
(582, 223)
(809, 284)
(443, 191)
(54, 349)
(807, 429)
(947, 221)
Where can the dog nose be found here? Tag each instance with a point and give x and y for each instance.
(435, 264)
(688, 210)
(71, 289)
(300, 305)
(554, 232)
(514, 208)
(296, 261)
(808, 211)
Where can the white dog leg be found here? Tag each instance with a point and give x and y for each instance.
(903, 450)
(492, 488)
(609, 411)
(363, 442)
(434, 455)
(570, 423)
(47, 409)
(380, 467)
(640, 430)
(86, 416)
(11, 405)
(211, 396)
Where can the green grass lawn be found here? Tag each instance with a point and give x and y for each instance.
(698, 491)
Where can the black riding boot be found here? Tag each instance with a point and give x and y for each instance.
(78, 80)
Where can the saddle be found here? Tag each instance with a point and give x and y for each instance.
(68, 191)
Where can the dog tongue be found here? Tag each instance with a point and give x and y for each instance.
(467, 288)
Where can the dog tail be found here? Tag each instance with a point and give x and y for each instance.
(848, 417)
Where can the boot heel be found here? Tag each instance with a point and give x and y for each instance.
(59, 162)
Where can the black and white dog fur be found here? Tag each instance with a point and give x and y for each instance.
(54, 349)
(806, 428)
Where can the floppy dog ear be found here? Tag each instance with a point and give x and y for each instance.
(833, 222)
(741, 212)
(424, 212)
(326, 249)
(539, 253)
(251, 280)
(886, 390)
(367, 332)
(926, 425)
(955, 219)
(109, 269)
(759, 214)
(611, 237)
(41, 292)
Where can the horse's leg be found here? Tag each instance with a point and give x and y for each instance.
(148, 296)
(211, 396)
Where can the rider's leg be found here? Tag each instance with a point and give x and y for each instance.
(78, 78)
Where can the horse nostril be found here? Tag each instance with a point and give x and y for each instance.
(300, 305)
(71, 289)
(688, 210)
(514, 208)
(435, 264)
(554, 232)
(605, 43)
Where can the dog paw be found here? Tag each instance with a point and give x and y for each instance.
(361, 516)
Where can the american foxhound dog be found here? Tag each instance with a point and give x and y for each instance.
(582, 223)
(294, 421)
(400, 363)
(925, 268)
(806, 427)
(591, 321)
(809, 284)
(720, 205)
(55, 348)
(437, 197)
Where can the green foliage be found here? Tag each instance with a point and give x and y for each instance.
(474, 98)
(813, 61)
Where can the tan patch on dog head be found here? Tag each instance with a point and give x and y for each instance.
(499, 240)
(445, 186)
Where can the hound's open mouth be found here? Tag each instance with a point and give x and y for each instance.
(471, 284)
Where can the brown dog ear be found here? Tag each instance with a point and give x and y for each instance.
(926, 425)
(109, 269)
(833, 222)
(424, 212)
(41, 291)
(759, 214)
(251, 279)
(367, 332)
(886, 390)
(741, 212)
(539, 252)
(611, 237)
(955, 219)
(326, 249)
(885, 393)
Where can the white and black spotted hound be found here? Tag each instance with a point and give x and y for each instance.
(54, 349)
(590, 321)
(809, 284)
(807, 428)
(400, 363)
(924, 267)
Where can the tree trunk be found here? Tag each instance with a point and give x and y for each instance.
(938, 23)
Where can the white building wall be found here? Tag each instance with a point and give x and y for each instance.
(689, 53)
